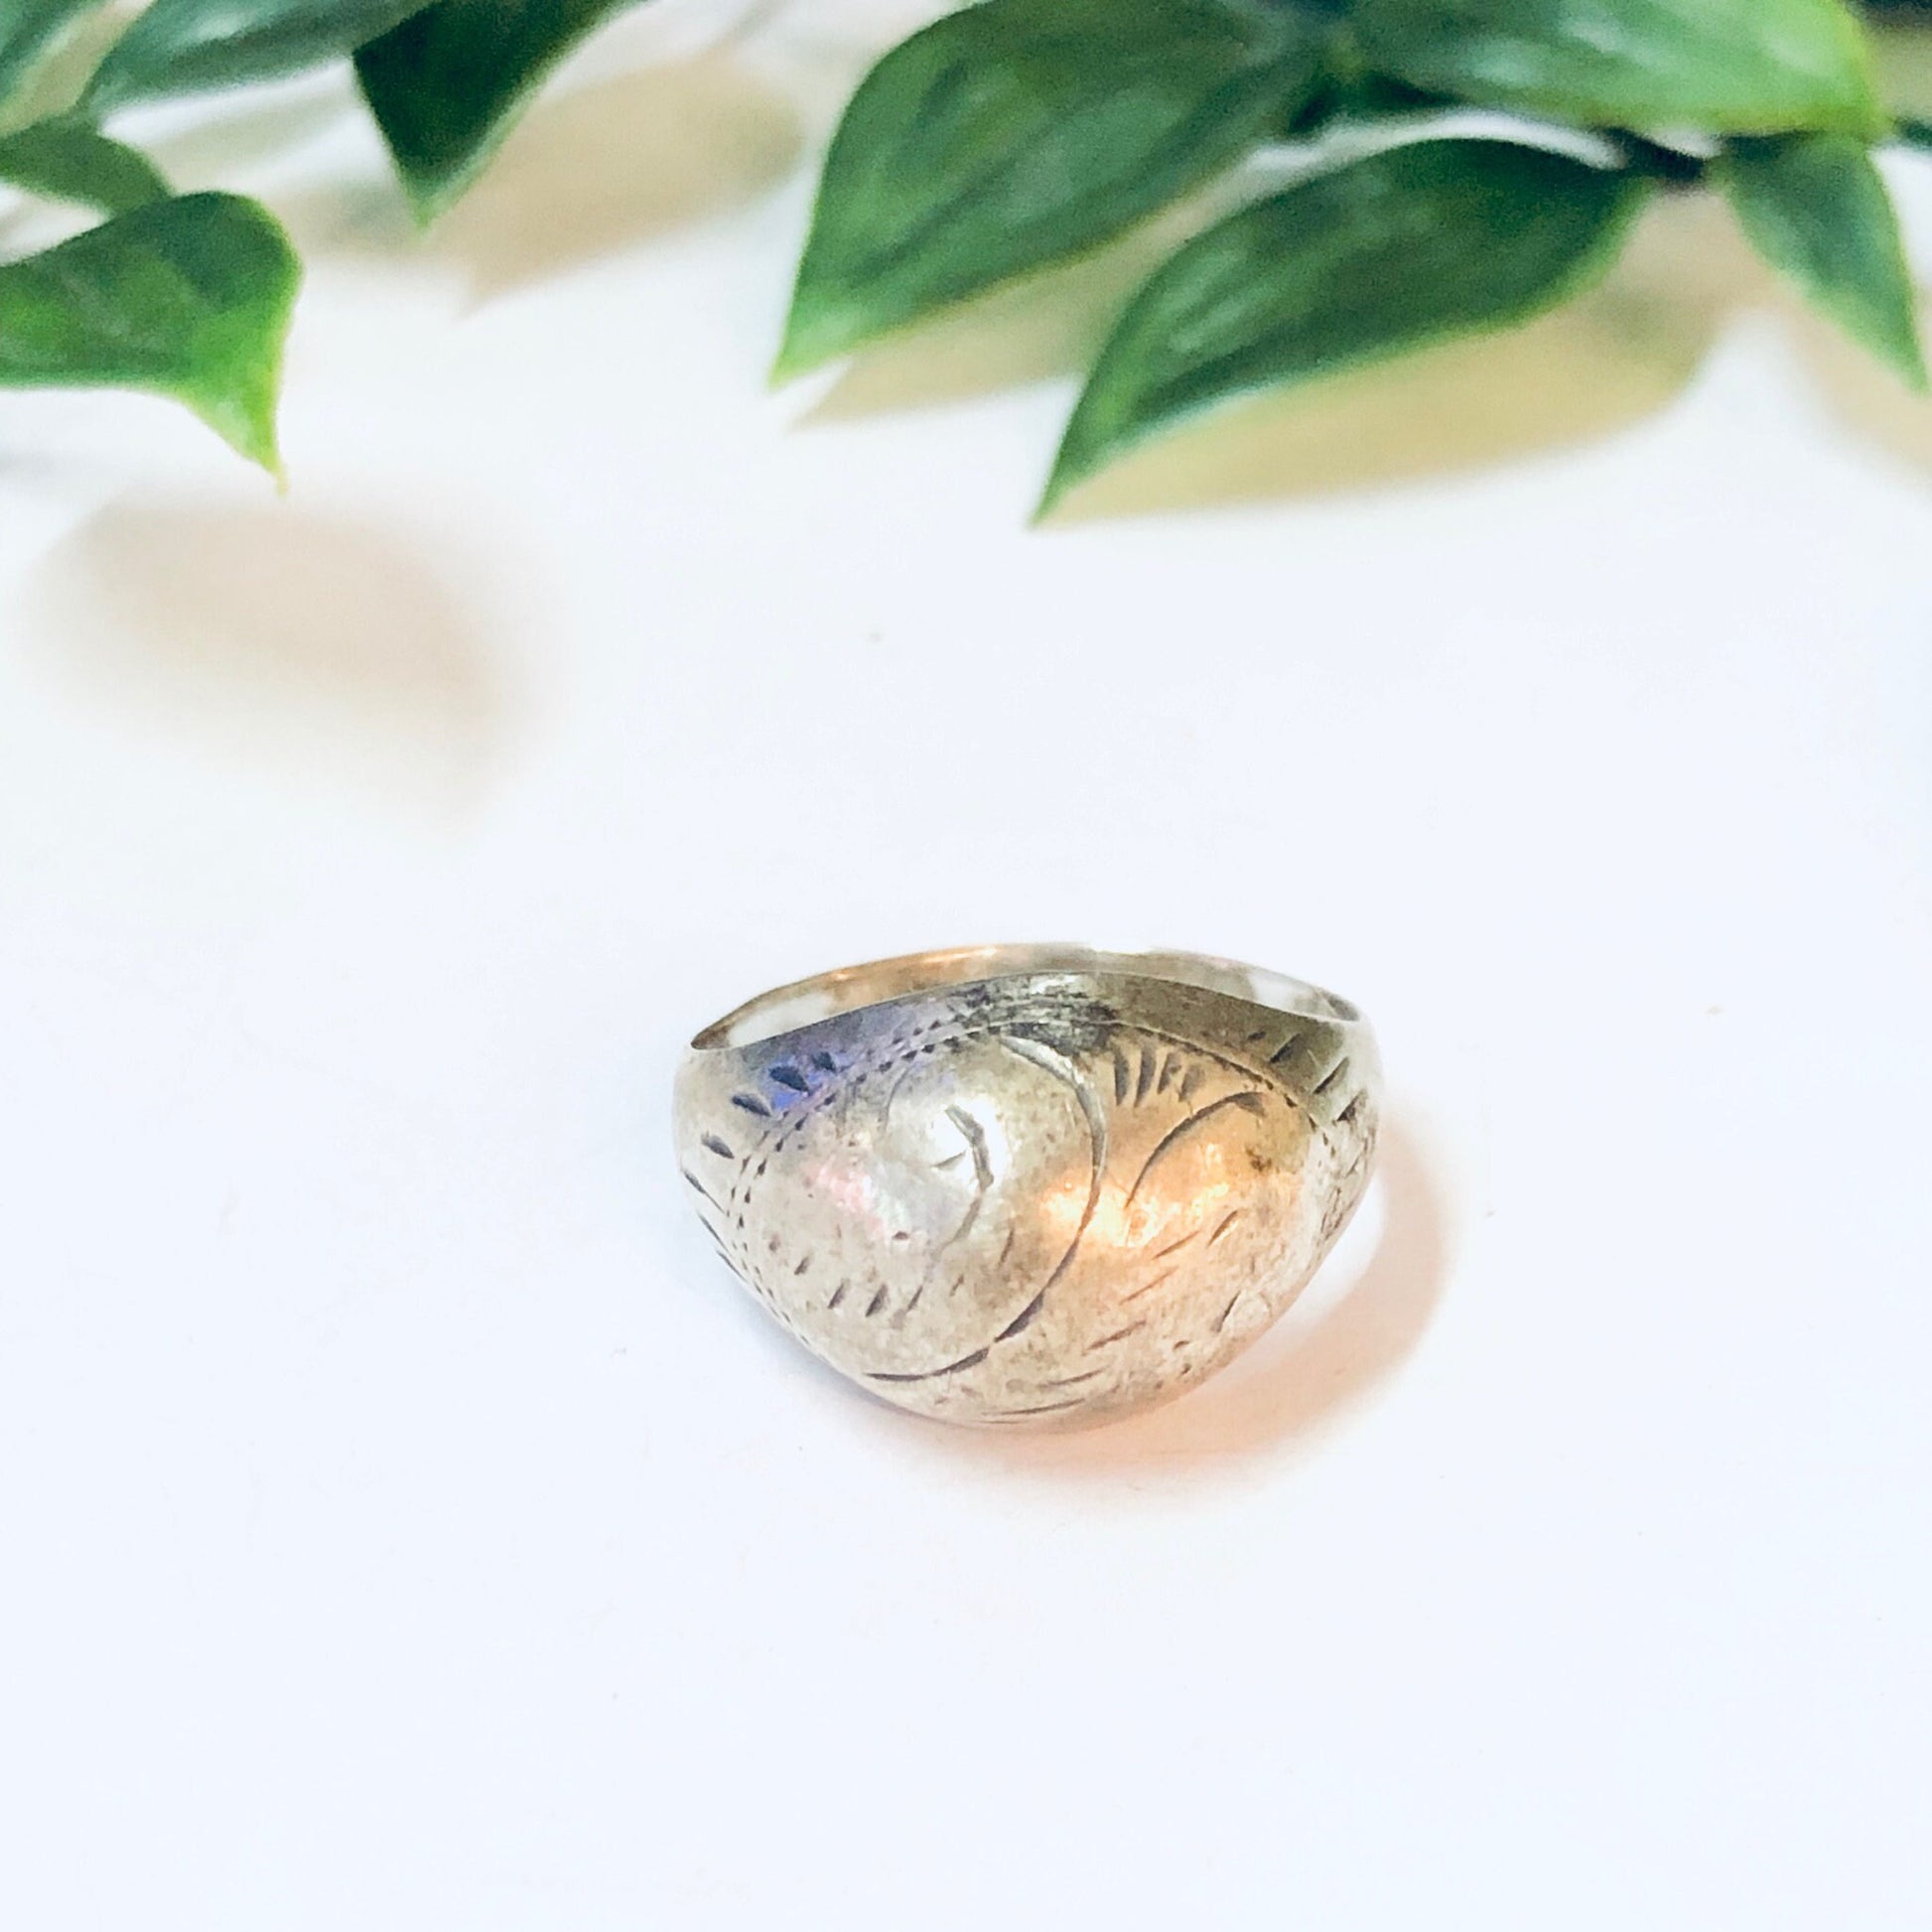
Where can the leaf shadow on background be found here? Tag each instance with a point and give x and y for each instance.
(1617, 355)
(588, 174)
(316, 647)
(1861, 392)
(1038, 330)
(1865, 394)
(249, 129)
(1328, 1355)
(1601, 365)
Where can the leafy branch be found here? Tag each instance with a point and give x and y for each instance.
(190, 296)
(1020, 134)
(1016, 135)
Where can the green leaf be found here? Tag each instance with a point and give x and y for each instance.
(1411, 247)
(29, 29)
(1024, 132)
(68, 161)
(182, 47)
(188, 298)
(1730, 66)
(1817, 209)
(448, 86)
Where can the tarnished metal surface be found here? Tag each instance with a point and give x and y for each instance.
(1029, 1185)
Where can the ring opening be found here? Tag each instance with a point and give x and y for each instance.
(805, 1004)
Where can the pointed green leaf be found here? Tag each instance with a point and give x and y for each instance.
(1022, 132)
(448, 86)
(1411, 247)
(1730, 67)
(1817, 209)
(29, 29)
(68, 161)
(184, 47)
(188, 299)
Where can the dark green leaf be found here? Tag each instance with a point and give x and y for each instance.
(1732, 67)
(1915, 134)
(1022, 132)
(1412, 246)
(1817, 209)
(29, 29)
(184, 47)
(1669, 166)
(447, 85)
(188, 299)
(68, 161)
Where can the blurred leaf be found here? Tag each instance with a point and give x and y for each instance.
(69, 160)
(181, 47)
(1022, 132)
(1730, 67)
(1817, 209)
(1411, 247)
(448, 86)
(29, 29)
(188, 298)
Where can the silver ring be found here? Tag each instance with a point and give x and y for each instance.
(1029, 1185)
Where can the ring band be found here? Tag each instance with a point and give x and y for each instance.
(1029, 1185)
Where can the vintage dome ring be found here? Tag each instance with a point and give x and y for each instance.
(1029, 1185)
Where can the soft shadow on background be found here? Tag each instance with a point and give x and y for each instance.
(1861, 392)
(1042, 327)
(246, 129)
(1601, 364)
(320, 646)
(1614, 358)
(588, 174)
(1591, 368)
(1299, 1378)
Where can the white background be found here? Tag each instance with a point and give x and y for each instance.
(408, 1524)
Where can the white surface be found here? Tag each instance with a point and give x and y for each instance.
(408, 1524)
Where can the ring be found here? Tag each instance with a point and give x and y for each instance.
(1029, 1185)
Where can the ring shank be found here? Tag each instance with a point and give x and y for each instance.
(851, 988)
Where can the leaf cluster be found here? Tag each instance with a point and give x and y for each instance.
(1014, 135)
(190, 296)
